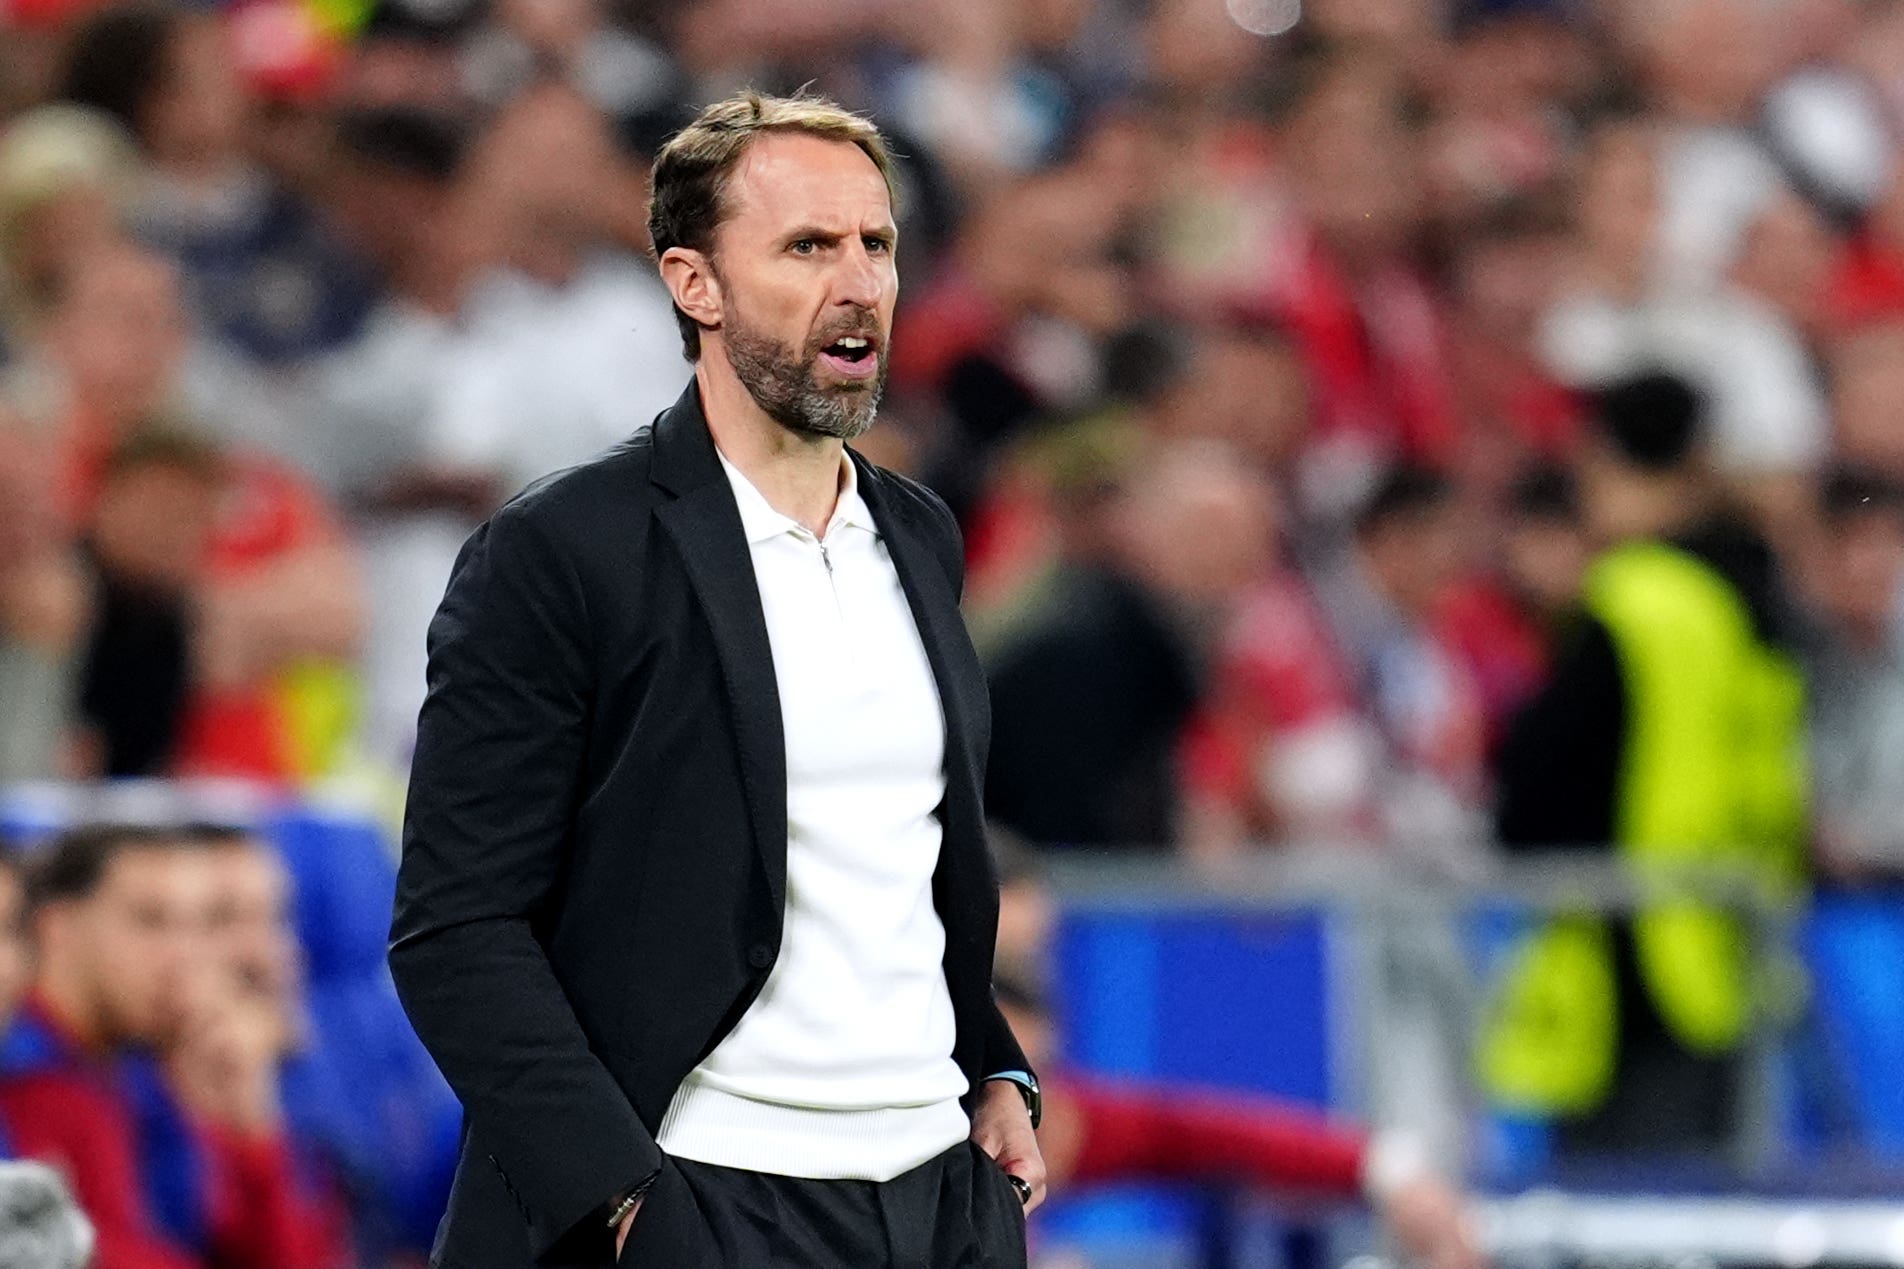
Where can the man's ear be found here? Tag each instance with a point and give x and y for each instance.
(689, 277)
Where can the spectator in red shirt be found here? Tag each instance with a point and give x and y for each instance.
(118, 919)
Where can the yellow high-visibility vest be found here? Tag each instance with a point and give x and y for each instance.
(1712, 777)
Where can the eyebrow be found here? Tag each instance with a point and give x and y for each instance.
(886, 234)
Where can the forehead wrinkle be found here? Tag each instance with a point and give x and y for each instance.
(820, 198)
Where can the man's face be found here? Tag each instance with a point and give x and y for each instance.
(807, 282)
(1417, 557)
(1862, 572)
(121, 333)
(153, 524)
(250, 922)
(136, 938)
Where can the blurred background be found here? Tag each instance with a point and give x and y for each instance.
(1432, 475)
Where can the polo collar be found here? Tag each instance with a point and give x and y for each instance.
(759, 521)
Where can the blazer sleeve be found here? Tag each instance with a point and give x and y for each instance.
(1002, 1050)
(494, 784)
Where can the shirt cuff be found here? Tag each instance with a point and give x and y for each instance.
(1393, 1160)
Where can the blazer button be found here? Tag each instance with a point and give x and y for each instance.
(760, 955)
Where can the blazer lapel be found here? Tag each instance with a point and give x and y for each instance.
(955, 668)
(705, 526)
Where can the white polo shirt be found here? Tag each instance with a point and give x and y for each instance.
(843, 1065)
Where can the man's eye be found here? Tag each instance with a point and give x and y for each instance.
(804, 246)
(878, 245)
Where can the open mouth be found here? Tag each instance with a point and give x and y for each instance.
(854, 356)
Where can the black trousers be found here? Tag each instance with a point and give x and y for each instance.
(1666, 1101)
(956, 1211)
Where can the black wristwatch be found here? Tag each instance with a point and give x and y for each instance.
(1027, 1085)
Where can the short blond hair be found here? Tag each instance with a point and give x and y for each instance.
(687, 201)
(45, 154)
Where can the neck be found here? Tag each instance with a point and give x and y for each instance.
(798, 475)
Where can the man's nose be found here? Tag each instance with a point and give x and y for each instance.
(859, 280)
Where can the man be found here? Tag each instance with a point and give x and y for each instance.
(695, 911)
(1856, 671)
(249, 934)
(1670, 734)
(230, 1062)
(116, 917)
(1385, 600)
(1094, 676)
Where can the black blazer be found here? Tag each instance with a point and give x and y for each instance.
(594, 854)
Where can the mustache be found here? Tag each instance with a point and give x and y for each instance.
(864, 325)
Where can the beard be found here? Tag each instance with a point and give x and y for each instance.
(781, 379)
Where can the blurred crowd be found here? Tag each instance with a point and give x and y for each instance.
(1295, 367)
(1256, 345)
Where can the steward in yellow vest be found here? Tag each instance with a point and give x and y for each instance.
(1671, 735)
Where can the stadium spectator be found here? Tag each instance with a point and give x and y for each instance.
(1383, 598)
(1502, 621)
(1867, 376)
(1371, 329)
(147, 538)
(1856, 672)
(1282, 750)
(1625, 307)
(512, 294)
(572, 328)
(378, 403)
(276, 611)
(249, 981)
(395, 194)
(44, 614)
(1670, 730)
(1544, 557)
(261, 273)
(66, 175)
(114, 353)
(1514, 412)
(1095, 680)
(117, 920)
